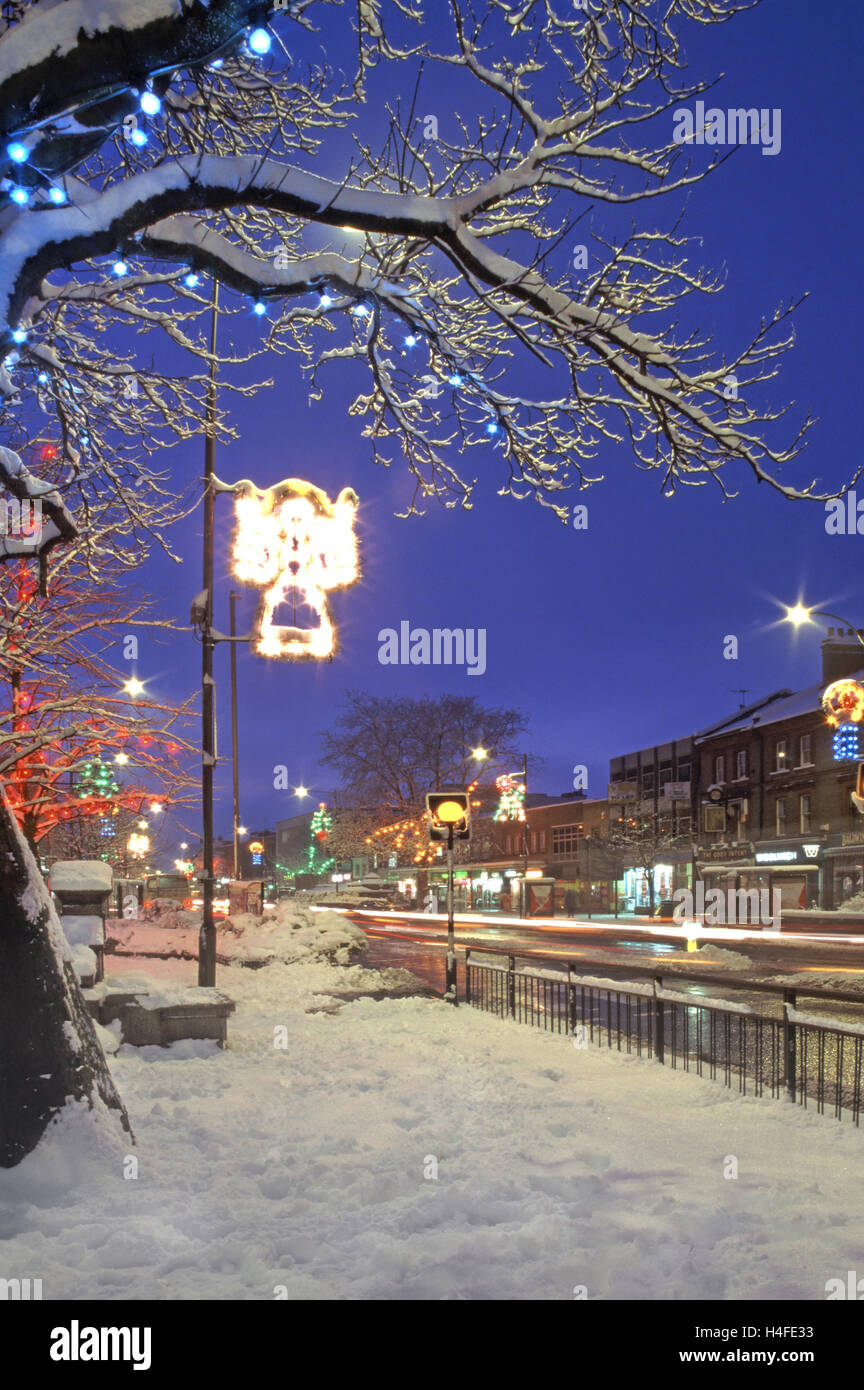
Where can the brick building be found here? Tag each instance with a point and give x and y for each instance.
(774, 794)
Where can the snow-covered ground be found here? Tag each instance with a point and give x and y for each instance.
(396, 1148)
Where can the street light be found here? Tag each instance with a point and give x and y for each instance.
(133, 687)
(480, 755)
(301, 791)
(798, 614)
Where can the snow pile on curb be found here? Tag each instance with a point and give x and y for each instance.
(290, 934)
(720, 956)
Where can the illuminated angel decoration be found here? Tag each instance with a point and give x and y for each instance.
(296, 545)
(843, 702)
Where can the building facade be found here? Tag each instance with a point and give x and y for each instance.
(775, 810)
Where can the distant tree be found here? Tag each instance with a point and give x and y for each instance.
(646, 839)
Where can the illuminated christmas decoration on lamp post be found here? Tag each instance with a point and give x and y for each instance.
(511, 803)
(292, 542)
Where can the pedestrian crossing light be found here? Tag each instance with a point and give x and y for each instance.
(858, 794)
(448, 813)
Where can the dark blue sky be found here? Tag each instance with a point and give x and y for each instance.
(611, 638)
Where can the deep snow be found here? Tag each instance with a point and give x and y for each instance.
(304, 1168)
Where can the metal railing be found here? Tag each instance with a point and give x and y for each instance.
(763, 1047)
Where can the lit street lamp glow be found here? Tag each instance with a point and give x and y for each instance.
(301, 791)
(798, 614)
(133, 687)
(479, 754)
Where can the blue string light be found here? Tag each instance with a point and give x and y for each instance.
(43, 378)
(150, 104)
(20, 196)
(259, 307)
(411, 340)
(491, 428)
(455, 379)
(57, 195)
(325, 301)
(191, 280)
(138, 137)
(19, 336)
(120, 267)
(260, 42)
(17, 152)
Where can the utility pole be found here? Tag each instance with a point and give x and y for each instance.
(525, 837)
(236, 766)
(207, 934)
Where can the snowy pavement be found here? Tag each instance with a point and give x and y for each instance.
(302, 1163)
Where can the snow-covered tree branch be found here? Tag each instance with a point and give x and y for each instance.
(437, 254)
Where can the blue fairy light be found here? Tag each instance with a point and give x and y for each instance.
(138, 137)
(120, 267)
(57, 195)
(17, 152)
(260, 42)
(150, 104)
(19, 336)
(325, 301)
(259, 307)
(20, 196)
(411, 340)
(191, 280)
(455, 379)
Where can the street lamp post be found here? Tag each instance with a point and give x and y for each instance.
(207, 934)
(481, 755)
(798, 614)
(234, 761)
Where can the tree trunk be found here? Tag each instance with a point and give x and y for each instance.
(49, 1052)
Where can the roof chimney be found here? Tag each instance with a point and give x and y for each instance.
(842, 654)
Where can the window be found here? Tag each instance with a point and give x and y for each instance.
(741, 763)
(781, 756)
(805, 750)
(648, 780)
(683, 769)
(806, 811)
(533, 841)
(542, 839)
(565, 839)
(720, 768)
(781, 816)
(509, 844)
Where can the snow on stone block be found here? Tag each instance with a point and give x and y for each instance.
(83, 931)
(80, 876)
(83, 962)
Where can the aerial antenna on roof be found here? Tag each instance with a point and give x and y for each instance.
(741, 690)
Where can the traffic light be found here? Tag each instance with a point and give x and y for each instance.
(448, 811)
(858, 794)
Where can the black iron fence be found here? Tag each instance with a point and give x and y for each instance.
(762, 1044)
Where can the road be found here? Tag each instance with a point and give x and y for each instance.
(417, 942)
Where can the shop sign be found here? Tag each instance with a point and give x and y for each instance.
(777, 856)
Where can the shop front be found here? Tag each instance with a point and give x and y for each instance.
(788, 869)
(843, 871)
(635, 887)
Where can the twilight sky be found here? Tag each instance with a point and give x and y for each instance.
(610, 638)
